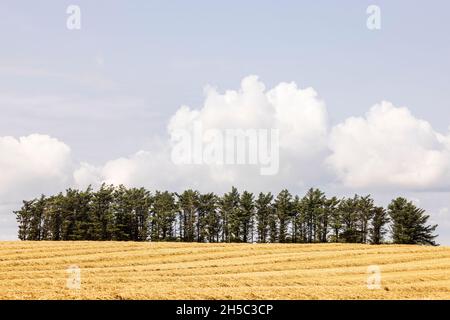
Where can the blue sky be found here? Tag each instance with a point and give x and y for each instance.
(109, 89)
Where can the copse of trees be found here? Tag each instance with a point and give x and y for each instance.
(136, 214)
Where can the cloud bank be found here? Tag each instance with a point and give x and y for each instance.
(388, 147)
(32, 163)
(298, 114)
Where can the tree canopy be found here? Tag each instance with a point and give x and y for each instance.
(136, 214)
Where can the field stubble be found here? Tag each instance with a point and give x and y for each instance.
(130, 270)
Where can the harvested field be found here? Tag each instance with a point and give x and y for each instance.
(131, 270)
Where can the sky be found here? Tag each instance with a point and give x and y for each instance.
(359, 110)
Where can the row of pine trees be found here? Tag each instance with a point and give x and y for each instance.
(135, 214)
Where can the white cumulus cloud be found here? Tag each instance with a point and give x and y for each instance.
(32, 164)
(389, 147)
(298, 114)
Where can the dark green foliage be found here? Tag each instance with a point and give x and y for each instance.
(132, 214)
(365, 213)
(264, 211)
(409, 223)
(294, 217)
(314, 216)
(188, 203)
(211, 224)
(348, 210)
(379, 221)
(229, 212)
(102, 212)
(245, 218)
(163, 216)
(327, 222)
(283, 208)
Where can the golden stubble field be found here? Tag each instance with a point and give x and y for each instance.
(130, 270)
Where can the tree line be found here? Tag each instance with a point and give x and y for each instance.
(136, 214)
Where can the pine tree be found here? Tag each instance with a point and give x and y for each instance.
(102, 213)
(53, 217)
(229, 211)
(24, 217)
(302, 220)
(37, 219)
(327, 217)
(246, 213)
(83, 224)
(349, 217)
(336, 220)
(122, 215)
(188, 224)
(409, 223)
(264, 210)
(377, 229)
(140, 206)
(164, 215)
(365, 209)
(295, 217)
(71, 215)
(210, 225)
(313, 209)
(283, 208)
(273, 227)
